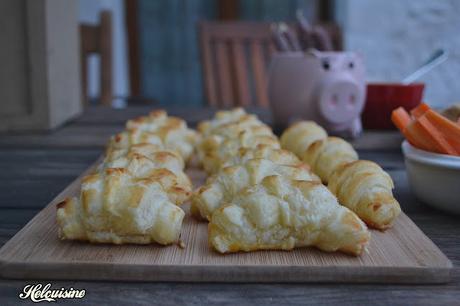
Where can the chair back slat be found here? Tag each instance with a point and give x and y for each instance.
(241, 80)
(235, 56)
(209, 77)
(259, 71)
(224, 73)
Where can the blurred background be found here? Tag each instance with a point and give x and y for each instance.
(121, 52)
(156, 51)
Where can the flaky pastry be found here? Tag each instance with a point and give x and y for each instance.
(154, 152)
(209, 145)
(224, 120)
(326, 155)
(299, 136)
(115, 207)
(164, 167)
(284, 214)
(170, 132)
(366, 189)
(213, 161)
(278, 156)
(229, 181)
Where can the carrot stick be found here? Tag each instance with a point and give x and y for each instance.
(417, 137)
(443, 124)
(437, 138)
(421, 109)
(449, 129)
(400, 118)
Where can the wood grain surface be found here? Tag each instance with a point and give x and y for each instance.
(402, 254)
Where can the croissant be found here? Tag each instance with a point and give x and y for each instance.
(164, 167)
(223, 119)
(222, 187)
(210, 144)
(154, 152)
(283, 214)
(115, 207)
(366, 189)
(157, 121)
(324, 156)
(299, 136)
(278, 156)
(158, 129)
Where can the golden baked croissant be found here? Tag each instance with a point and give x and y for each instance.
(326, 155)
(154, 152)
(222, 187)
(283, 214)
(278, 156)
(166, 168)
(181, 141)
(169, 132)
(214, 160)
(115, 207)
(154, 121)
(224, 119)
(210, 144)
(366, 189)
(299, 136)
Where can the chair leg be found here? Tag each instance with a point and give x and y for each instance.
(106, 58)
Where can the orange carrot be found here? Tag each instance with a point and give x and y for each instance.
(417, 137)
(400, 118)
(420, 110)
(437, 138)
(449, 129)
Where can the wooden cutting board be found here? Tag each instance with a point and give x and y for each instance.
(402, 254)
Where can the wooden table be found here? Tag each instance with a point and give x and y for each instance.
(35, 167)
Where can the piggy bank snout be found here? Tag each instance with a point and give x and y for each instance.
(340, 101)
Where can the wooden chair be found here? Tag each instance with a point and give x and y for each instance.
(235, 56)
(98, 39)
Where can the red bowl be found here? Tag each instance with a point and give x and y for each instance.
(383, 98)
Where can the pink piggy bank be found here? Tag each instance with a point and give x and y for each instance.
(327, 87)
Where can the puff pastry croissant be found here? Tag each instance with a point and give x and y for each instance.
(366, 189)
(284, 214)
(227, 120)
(299, 136)
(158, 129)
(214, 160)
(164, 167)
(325, 155)
(226, 133)
(278, 156)
(360, 185)
(222, 187)
(115, 207)
(151, 151)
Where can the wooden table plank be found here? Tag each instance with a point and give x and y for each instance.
(93, 129)
(98, 115)
(109, 293)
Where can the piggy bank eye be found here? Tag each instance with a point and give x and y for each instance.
(351, 65)
(326, 65)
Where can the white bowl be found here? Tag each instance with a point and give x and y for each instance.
(434, 178)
